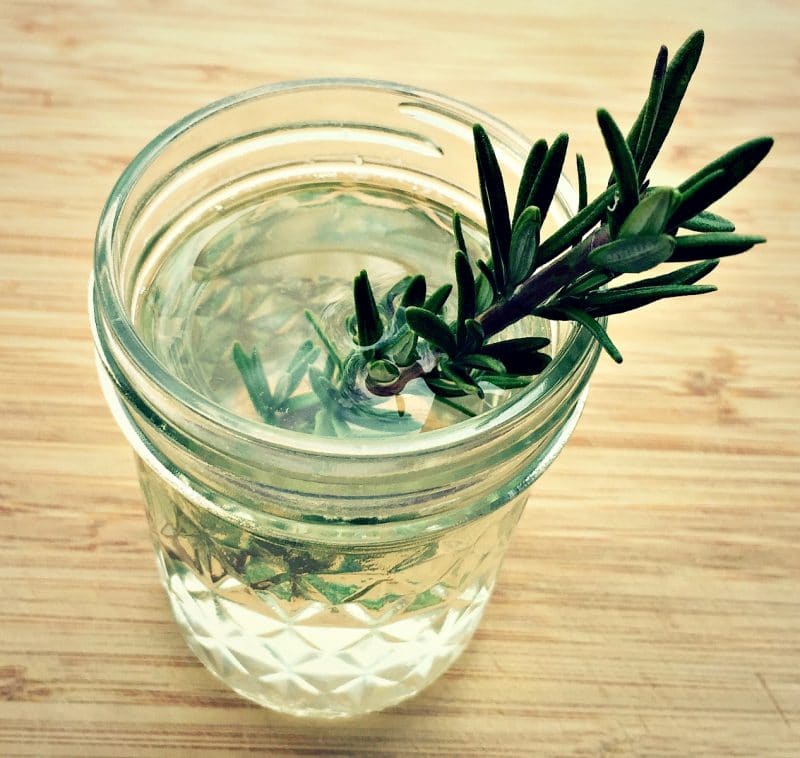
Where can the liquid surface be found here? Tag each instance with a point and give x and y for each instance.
(247, 274)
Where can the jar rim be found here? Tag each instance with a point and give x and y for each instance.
(578, 353)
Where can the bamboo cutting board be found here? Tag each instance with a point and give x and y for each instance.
(650, 601)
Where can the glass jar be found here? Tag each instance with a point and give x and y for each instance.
(316, 576)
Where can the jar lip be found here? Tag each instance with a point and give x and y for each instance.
(106, 296)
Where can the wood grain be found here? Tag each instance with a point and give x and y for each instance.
(650, 602)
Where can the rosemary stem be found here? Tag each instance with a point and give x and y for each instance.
(543, 284)
(538, 287)
(407, 374)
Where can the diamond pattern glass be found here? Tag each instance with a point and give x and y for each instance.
(317, 630)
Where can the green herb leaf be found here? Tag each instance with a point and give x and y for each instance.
(354, 365)
(324, 389)
(458, 233)
(474, 336)
(524, 245)
(595, 328)
(651, 107)
(589, 281)
(465, 286)
(382, 371)
(438, 298)
(517, 344)
(546, 183)
(323, 424)
(330, 368)
(574, 230)
(735, 165)
(397, 289)
(622, 163)
(324, 339)
(520, 355)
(433, 329)
(488, 275)
(706, 221)
(495, 204)
(630, 255)
(415, 292)
(482, 362)
(460, 378)
(685, 275)
(652, 213)
(676, 81)
(255, 381)
(370, 327)
(583, 191)
(533, 165)
(694, 196)
(298, 365)
(345, 411)
(443, 387)
(404, 352)
(620, 300)
(695, 247)
(506, 381)
(301, 355)
(484, 294)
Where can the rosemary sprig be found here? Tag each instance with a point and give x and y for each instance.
(630, 228)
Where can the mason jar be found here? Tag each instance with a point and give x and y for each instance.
(315, 575)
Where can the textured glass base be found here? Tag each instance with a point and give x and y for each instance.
(320, 661)
(323, 630)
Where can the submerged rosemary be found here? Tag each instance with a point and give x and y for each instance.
(630, 228)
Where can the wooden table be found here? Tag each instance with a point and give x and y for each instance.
(650, 602)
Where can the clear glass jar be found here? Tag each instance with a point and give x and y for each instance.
(314, 575)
